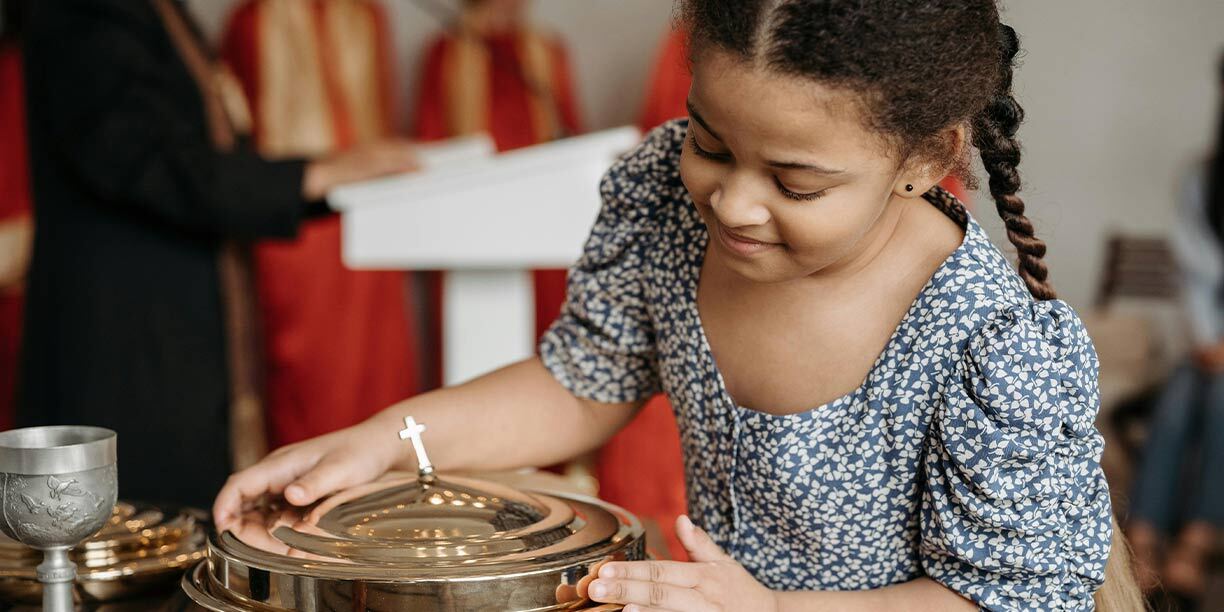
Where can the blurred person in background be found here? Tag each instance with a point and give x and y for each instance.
(492, 71)
(339, 344)
(15, 226)
(135, 317)
(1189, 413)
(670, 79)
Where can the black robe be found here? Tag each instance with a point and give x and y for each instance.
(124, 326)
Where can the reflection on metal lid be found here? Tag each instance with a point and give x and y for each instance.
(435, 543)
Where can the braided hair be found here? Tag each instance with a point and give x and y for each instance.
(916, 67)
(994, 135)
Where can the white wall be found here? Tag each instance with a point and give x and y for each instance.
(1120, 97)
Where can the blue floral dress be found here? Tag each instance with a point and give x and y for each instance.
(968, 455)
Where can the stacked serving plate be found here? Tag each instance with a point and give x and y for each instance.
(429, 543)
(141, 547)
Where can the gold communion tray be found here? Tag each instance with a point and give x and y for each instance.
(141, 548)
(421, 543)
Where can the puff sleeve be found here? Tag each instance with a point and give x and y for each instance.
(1015, 512)
(602, 347)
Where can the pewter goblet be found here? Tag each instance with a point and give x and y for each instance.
(57, 487)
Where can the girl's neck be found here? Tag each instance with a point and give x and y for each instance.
(910, 237)
(885, 233)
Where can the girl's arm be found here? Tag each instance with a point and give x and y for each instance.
(918, 595)
(713, 581)
(602, 346)
(514, 417)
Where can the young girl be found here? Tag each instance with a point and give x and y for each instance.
(877, 411)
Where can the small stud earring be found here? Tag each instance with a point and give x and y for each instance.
(909, 187)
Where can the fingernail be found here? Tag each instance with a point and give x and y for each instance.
(597, 589)
(294, 491)
(686, 522)
(607, 571)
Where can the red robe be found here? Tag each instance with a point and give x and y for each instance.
(510, 115)
(14, 203)
(669, 83)
(340, 345)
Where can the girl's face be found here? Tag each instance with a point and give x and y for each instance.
(785, 176)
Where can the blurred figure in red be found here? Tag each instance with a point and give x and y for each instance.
(15, 225)
(339, 344)
(670, 80)
(138, 311)
(494, 72)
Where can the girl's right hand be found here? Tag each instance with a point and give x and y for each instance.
(307, 471)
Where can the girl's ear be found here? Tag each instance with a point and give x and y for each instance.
(922, 172)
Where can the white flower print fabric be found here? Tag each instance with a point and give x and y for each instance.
(968, 455)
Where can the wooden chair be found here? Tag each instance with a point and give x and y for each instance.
(1136, 268)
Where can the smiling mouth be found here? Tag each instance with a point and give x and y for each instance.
(741, 244)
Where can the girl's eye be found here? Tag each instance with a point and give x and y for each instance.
(803, 197)
(710, 155)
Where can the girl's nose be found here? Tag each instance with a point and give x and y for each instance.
(737, 203)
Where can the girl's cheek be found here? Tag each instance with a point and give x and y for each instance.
(700, 178)
(821, 230)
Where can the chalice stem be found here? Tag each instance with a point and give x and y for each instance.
(57, 573)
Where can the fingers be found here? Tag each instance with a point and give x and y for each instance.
(586, 580)
(268, 476)
(675, 573)
(651, 594)
(698, 543)
(396, 156)
(324, 478)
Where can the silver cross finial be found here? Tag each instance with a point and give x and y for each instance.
(412, 431)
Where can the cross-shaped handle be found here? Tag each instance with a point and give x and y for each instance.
(412, 431)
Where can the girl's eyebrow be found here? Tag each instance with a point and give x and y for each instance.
(700, 120)
(803, 166)
(782, 165)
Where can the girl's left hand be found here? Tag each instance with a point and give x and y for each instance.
(712, 581)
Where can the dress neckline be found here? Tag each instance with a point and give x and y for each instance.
(972, 233)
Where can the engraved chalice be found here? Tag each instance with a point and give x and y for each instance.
(58, 486)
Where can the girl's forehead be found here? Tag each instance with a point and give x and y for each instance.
(747, 101)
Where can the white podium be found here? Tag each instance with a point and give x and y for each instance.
(486, 220)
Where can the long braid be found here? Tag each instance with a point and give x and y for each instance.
(994, 134)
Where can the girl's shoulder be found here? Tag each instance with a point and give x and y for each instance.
(982, 297)
(646, 180)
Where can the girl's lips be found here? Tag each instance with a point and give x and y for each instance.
(742, 245)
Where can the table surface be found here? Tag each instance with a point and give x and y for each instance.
(170, 599)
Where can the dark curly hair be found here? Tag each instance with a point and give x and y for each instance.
(917, 68)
